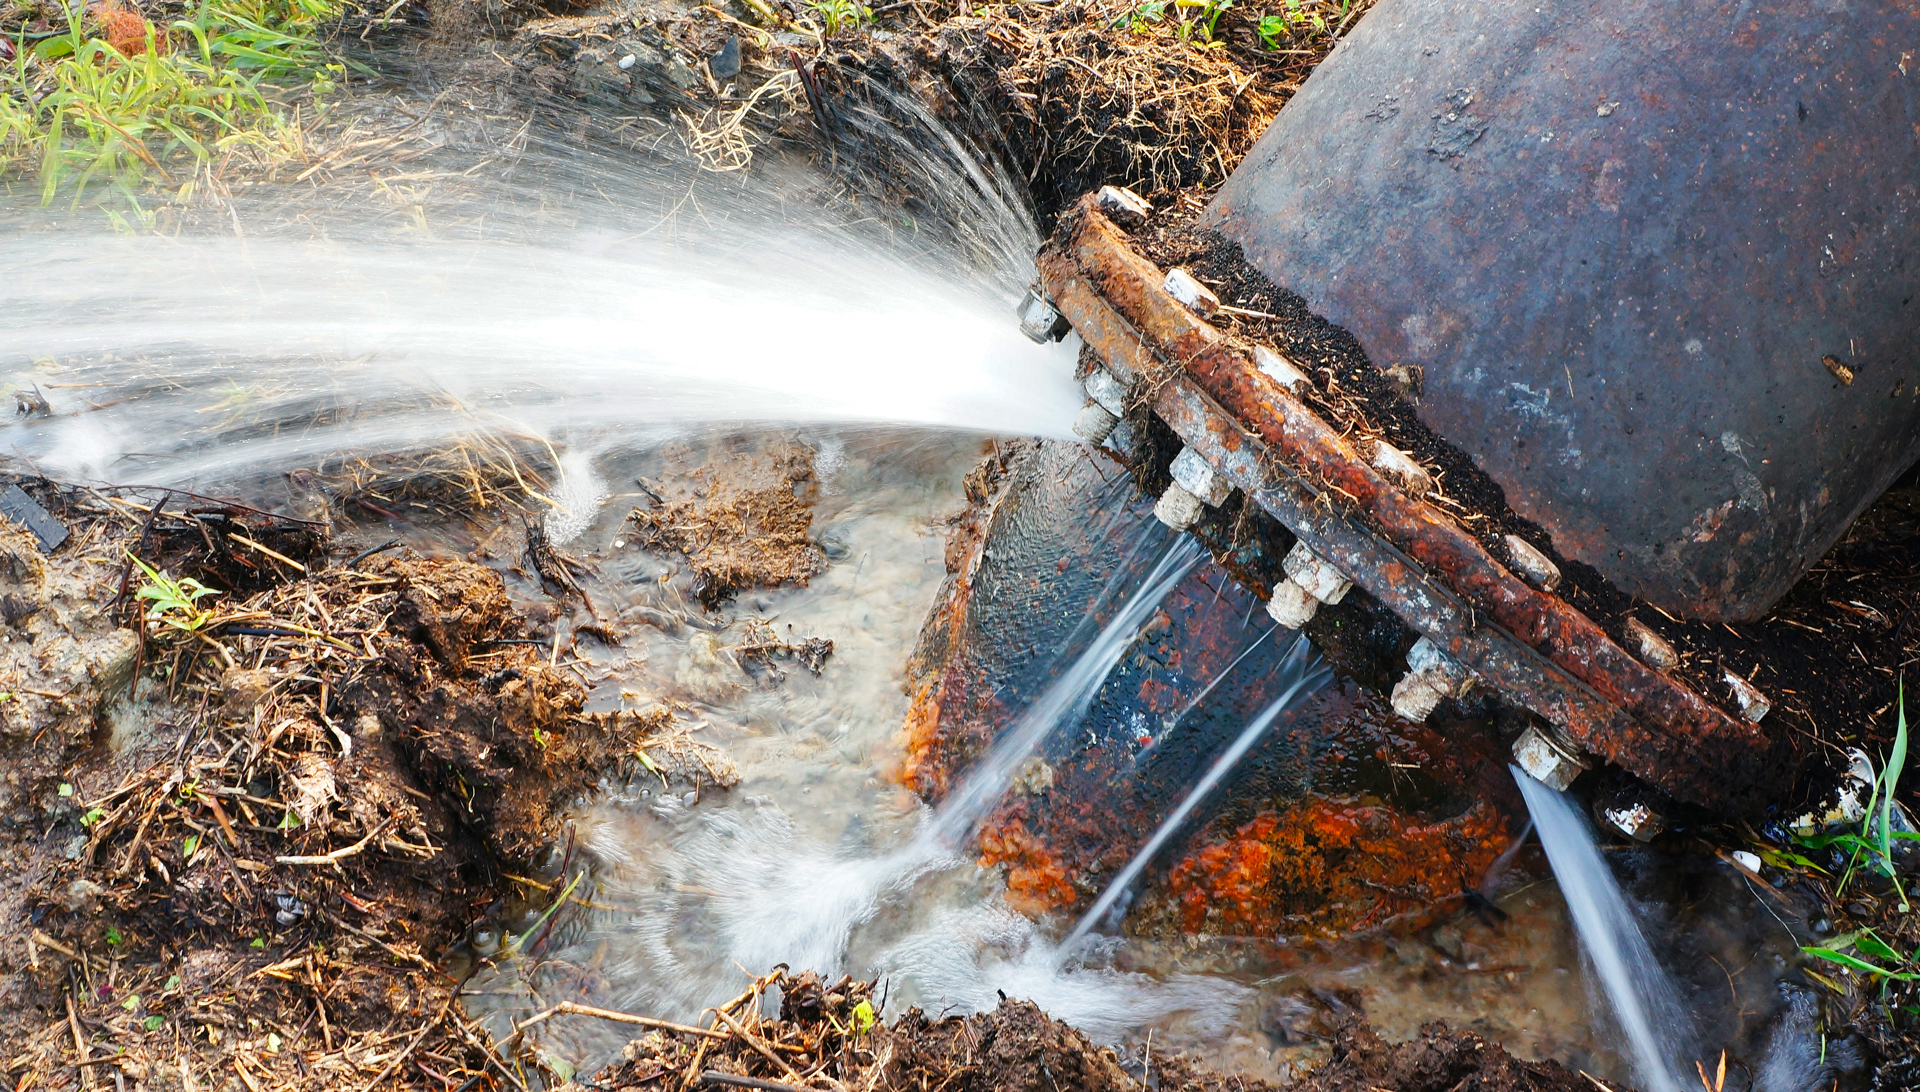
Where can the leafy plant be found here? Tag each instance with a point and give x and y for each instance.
(1206, 21)
(1892, 965)
(1142, 18)
(175, 603)
(1270, 28)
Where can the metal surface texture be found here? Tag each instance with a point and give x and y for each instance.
(1533, 646)
(1656, 261)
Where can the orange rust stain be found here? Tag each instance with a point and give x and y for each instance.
(919, 735)
(1332, 867)
(1036, 880)
(125, 29)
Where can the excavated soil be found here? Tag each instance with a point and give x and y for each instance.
(246, 860)
(740, 517)
(1018, 1048)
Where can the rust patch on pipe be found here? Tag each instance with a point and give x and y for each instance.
(1403, 550)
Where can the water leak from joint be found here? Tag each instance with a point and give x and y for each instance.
(1302, 671)
(1645, 1002)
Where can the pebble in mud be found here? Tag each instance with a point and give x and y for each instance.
(725, 65)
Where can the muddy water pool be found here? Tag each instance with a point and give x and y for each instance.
(803, 862)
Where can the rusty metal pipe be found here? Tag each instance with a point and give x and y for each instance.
(1655, 262)
(1548, 656)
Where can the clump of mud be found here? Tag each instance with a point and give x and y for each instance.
(741, 521)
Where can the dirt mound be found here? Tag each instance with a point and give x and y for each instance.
(741, 520)
(247, 869)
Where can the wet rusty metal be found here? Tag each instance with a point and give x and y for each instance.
(1533, 646)
(1660, 282)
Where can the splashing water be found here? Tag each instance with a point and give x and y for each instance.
(1645, 1002)
(742, 887)
(1301, 671)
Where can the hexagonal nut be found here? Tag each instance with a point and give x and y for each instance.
(1101, 386)
(1401, 469)
(1317, 575)
(1197, 297)
(1533, 566)
(1123, 206)
(1279, 369)
(1195, 475)
(1636, 821)
(1545, 760)
(1753, 704)
(1415, 696)
(1291, 606)
(1178, 508)
(1040, 320)
(1093, 423)
(1650, 646)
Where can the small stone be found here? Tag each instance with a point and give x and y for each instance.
(1196, 297)
(1748, 861)
(628, 61)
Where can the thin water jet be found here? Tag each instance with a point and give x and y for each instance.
(1644, 1000)
(1301, 670)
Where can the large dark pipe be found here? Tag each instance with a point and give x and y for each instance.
(1659, 263)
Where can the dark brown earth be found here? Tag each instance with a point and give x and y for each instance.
(1018, 1048)
(323, 784)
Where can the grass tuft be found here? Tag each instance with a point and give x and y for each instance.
(114, 96)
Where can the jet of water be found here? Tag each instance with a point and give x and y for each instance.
(1302, 671)
(1063, 702)
(1645, 1002)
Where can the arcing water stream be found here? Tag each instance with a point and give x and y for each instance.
(225, 364)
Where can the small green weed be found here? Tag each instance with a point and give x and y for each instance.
(175, 603)
(838, 15)
(1871, 847)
